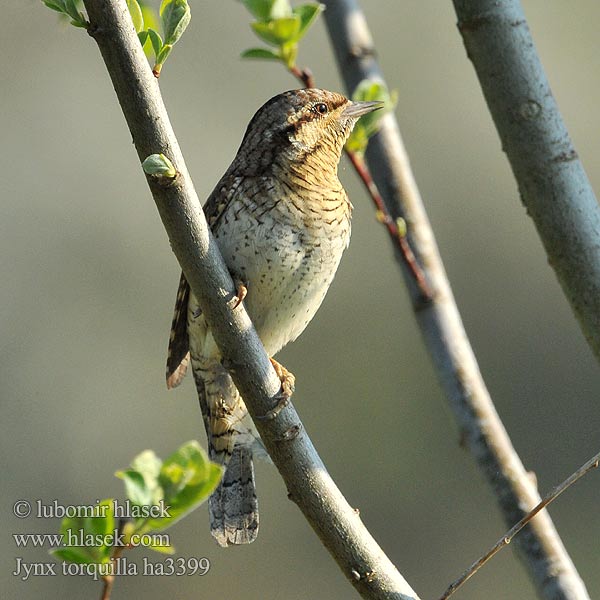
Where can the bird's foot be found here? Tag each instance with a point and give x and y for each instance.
(288, 381)
(241, 293)
(287, 389)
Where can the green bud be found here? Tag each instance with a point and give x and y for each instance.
(159, 165)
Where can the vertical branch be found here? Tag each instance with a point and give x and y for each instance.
(549, 565)
(552, 182)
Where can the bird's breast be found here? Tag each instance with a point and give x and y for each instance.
(286, 252)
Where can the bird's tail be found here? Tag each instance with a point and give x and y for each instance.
(233, 506)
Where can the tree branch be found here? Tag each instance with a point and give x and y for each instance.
(548, 563)
(552, 182)
(507, 538)
(310, 486)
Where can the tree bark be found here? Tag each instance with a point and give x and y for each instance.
(552, 182)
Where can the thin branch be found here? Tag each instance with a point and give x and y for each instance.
(509, 535)
(304, 76)
(310, 486)
(552, 182)
(397, 236)
(108, 581)
(548, 562)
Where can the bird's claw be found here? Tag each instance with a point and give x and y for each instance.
(241, 293)
(288, 382)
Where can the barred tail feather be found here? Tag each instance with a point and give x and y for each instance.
(233, 507)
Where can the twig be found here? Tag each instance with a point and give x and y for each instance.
(552, 182)
(339, 527)
(304, 76)
(549, 564)
(509, 535)
(398, 238)
(109, 579)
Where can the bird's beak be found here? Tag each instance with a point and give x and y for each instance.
(354, 110)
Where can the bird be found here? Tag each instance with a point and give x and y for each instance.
(281, 220)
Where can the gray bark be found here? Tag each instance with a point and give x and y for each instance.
(552, 182)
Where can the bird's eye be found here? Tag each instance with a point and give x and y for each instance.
(321, 108)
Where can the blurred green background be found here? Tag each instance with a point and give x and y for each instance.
(89, 283)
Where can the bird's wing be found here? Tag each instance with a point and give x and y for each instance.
(178, 355)
(220, 199)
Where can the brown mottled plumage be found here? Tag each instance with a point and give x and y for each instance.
(281, 219)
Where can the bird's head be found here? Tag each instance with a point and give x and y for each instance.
(302, 125)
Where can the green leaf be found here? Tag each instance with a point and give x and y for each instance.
(262, 53)
(151, 19)
(88, 538)
(278, 31)
(146, 462)
(143, 37)
(73, 555)
(71, 9)
(369, 90)
(307, 13)
(178, 485)
(156, 41)
(187, 478)
(135, 10)
(157, 547)
(176, 16)
(265, 10)
(135, 487)
(162, 56)
(141, 480)
(358, 140)
(57, 6)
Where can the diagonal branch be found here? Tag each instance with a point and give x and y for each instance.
(507, 538)
(397, 235)
(552, 182)
(310, 486)
(549, 565)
